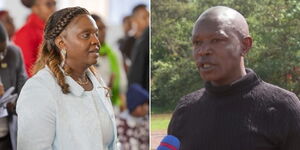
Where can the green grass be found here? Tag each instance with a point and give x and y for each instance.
(160, 121)
(162, 110)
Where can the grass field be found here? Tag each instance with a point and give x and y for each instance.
(160, 121)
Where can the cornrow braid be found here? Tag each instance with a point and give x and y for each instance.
(62, 21)
(49, 53)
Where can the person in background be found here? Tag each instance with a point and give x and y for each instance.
(140, 20)
(133, 123)
(139, 69)
(126, 43)
(30, 36)
(8, 23)
(12, 74)
(110, 67)
(63, 106)
(134, 27)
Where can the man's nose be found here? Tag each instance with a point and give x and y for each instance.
(204, 49)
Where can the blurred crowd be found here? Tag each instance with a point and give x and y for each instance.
(125, 70)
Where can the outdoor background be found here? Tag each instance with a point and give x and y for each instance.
(275, 56)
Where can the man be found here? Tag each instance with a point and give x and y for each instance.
(236, 110)
(134, 27)
(29, 37)
(140, 19)
(12, 74)
(139, 69)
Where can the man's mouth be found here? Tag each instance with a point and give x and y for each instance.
(205, 66)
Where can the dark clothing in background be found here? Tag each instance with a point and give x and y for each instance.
(12, 72)
(250, 114)
(139, 70)
(5, 143)
(126, 45)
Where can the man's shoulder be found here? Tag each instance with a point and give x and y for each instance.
(275, 93)
(13, 49)
(274, 89)
(191, 98)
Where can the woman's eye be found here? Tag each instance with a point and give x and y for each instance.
(85, 35)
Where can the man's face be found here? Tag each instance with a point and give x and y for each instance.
(81, 41)
(45, 8)
(217, 51)
(141, 18)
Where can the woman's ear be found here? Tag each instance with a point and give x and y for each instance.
(59, 42)
(247, 44)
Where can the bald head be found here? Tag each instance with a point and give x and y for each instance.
(220, 41)
(224, 17)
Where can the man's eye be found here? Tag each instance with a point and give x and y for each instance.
(217, 40)
(197, 43)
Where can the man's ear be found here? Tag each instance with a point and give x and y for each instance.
(247, 44)
(59, 42)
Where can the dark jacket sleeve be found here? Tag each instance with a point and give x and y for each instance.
(139, 70)
(292, 129)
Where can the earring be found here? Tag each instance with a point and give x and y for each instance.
(63, 55)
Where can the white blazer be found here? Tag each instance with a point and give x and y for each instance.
(51, 120)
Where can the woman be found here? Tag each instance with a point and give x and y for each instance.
(30, 35)
(63, 106)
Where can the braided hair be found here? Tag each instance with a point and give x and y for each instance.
(49, 53)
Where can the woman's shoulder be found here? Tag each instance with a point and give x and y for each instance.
(43, 78)
(39, 91)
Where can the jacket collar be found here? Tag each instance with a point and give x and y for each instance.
(74, 87)
(78, 90)
(245, 84)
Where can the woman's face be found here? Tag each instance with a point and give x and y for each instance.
(80, 40)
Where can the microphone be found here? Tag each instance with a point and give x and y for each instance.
(169, 142)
